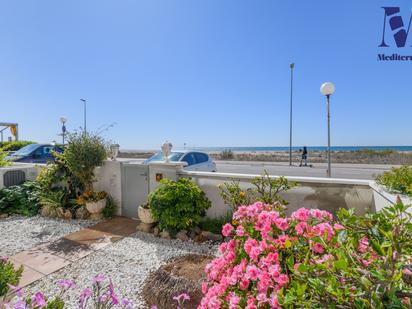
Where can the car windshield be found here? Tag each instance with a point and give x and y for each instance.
(174, 156)
(26, 150)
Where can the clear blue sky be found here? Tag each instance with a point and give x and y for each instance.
(204, 72)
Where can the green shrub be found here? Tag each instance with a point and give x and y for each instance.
(178, 205)
(215, 225)
(111, 206)
(3, 162)
(14, 145)
(265, 189)
(8, 275)
(397, 180)
(22, 199)
(83, 153)
(53, 199)
(226, 154)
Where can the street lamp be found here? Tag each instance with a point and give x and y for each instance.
(84, 114)
(327, 89)
(63, 120)
(292, 66)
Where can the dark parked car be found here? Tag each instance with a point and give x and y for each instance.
(34, 153)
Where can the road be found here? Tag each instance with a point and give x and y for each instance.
(339, 170)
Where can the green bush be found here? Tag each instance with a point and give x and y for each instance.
(215, 225)
(397, 180)
(265, 189)
(14, 145)
(111, 206)
(22, 199)
(178, 205)
(8, 275)
(83, 153)
(3, 162)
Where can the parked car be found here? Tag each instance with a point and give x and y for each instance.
(196, 160)
(34, 153)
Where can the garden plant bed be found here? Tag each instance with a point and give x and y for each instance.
(127, 262)
(21, 233)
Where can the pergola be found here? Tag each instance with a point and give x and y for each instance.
(14, 129)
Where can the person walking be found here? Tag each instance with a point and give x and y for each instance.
(304, 156)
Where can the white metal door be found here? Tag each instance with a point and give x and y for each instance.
(135, 187)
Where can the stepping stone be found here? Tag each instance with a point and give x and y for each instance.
(29, 275)
(67, 249)
(41, 261)
(94, 239)
(120, 226)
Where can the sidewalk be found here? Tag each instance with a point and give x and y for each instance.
(47, 258)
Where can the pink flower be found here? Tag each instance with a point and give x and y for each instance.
(302, 214)
(244, 283)
(240, 231)
(338, 226)
(98, 279)
(38, 300)
(282, 224)
(84, 296)
(252, 272)
(300, 228)
(317, 247)
(363, 244)
(324, 230)
(227, 229)
(66, 284)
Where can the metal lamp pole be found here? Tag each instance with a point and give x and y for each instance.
(327, 89)
(292, 66)
(328, 107)
(63, 121)
(84, 115)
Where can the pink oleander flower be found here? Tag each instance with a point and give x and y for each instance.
(338, 226)
(227, 229)
(302, 214)
(363, 244)
(282, 224)
(317, 247)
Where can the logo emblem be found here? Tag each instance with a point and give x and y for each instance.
(395, 20)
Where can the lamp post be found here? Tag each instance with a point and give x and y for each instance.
(63, 120)
(292, 66)
(84, 114)
(327, 89)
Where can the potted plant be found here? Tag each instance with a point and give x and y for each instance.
(94, 202)
(145, 214)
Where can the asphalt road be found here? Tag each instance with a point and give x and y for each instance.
(339, 170)
(348, 171)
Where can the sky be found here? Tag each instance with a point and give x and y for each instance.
(204, 72)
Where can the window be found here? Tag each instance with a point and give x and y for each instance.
(201, 157)
(189, 158)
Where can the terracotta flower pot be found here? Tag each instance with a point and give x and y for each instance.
(95, 208)
(145, 215)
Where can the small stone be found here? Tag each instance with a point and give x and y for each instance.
(3, 216)
(192, 234)
(67, 215)
(82, 213)
(182, 235)
(196, 230)
(60, 212)
(145, 227)
(156, 231)
(211, 236)
(165, 234)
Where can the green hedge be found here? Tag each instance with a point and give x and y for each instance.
(15, 145)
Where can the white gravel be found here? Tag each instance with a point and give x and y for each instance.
(21, 233)
(127, 262)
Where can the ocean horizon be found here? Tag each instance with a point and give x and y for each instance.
(286, 148)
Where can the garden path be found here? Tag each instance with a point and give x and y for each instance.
(47, 258)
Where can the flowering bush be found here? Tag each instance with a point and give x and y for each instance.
(91, 196)
(265, 189)
(308, 260)
(101, 295)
